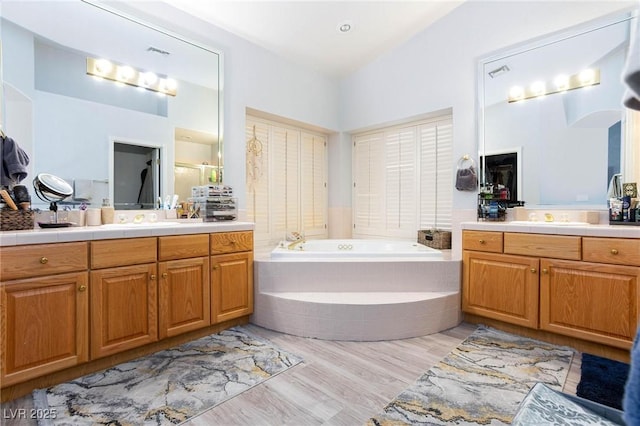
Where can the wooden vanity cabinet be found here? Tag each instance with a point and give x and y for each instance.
(499, 286)
(184, 298)
(231, 275)
(583, 287)
(123, 297)
(44, 310)
(71, 308)
(591, 301)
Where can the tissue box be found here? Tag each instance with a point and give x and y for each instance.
(435, 238)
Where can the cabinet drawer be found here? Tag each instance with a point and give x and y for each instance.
(183, 246)
(553, 246)
(619, 251)
(482, 241)
(42, 259)
(128, 251)
(231, 242)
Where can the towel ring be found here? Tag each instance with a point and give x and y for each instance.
(464, 159)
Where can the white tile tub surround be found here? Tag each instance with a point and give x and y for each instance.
(357, 299)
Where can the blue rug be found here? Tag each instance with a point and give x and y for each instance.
(602, 380)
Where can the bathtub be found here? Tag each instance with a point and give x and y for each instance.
(341, 249)
(359, 290)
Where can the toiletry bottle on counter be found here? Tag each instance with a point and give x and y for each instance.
(106, 212)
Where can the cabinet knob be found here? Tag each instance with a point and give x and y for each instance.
(43, 260)
(545, 271)
(232, 242)
(215, 266)
(534, 270)
(153, 277)
(481, 241)
(82, 288)
(164, 275)
(614, 251)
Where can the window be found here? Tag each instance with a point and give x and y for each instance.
(403, 179)
(286, 180)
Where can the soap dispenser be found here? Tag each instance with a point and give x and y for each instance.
(106, 212)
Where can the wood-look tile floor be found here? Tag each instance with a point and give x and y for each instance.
(339, 383)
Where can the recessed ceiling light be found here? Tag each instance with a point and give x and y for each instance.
(345, 27)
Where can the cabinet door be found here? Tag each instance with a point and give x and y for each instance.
(591, 301)
(123, 309)
(45, 325)
(231, 286)
(184, 296)
(499, 286)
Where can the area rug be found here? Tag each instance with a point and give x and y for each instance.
(170, 386)
(602, 380)
(482, 381)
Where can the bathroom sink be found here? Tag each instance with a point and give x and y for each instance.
(536, 223)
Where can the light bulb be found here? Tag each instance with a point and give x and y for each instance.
(103, 66)
(148, 79)
(561, 82)
(125, 73)
(516, 93)
(587, 76)
(538, 88)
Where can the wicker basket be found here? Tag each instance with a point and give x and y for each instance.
(435, 238)
(15, 220)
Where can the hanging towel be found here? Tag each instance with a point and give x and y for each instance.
(631, 72)
(14, 163)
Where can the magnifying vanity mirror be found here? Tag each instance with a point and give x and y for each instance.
(557, 142)
(100, 98)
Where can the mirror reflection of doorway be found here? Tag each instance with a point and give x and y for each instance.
(136, 176)
(503, 169)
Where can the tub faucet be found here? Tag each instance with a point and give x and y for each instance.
(294, 244)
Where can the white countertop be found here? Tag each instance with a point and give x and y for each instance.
(557, 228)
(104, 232)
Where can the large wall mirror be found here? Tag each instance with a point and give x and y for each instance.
(567, 144)
(105, 137)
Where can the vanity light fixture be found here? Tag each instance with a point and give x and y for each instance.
(562, 83)
(125, 74)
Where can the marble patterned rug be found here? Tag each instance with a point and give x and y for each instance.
(481, 382)
(170, 386)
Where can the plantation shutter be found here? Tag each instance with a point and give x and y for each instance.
(285, 203)
(416, 189)
(313, 181)
(400, 182)
(445, 173)
(436, 174)
(368, 186)
(286, 181)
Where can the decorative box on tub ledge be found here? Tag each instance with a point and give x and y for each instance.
(435, 238)
(16, 220)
